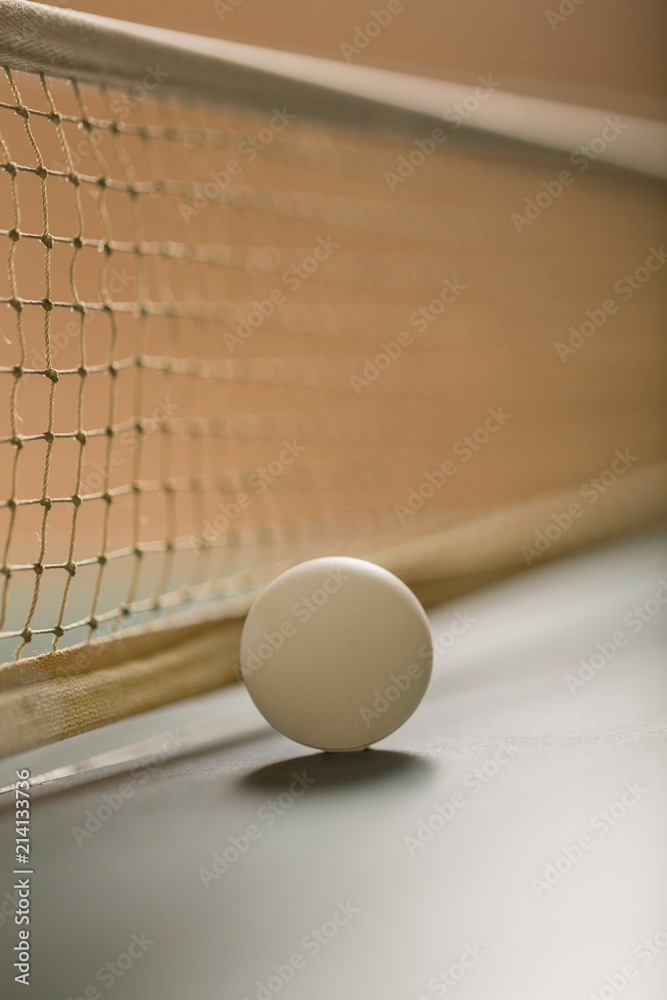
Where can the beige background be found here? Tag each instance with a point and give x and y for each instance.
(609, 53)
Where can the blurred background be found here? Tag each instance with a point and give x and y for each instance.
(604, 54)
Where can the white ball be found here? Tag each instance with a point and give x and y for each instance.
(336, 653)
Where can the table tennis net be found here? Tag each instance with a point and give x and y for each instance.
(187, 402)
(235, 339)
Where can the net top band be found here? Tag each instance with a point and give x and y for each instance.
(65, 43)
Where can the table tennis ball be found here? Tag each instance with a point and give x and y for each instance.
(336, 653)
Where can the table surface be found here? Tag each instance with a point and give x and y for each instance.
(507, 842)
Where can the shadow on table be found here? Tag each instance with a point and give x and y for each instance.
(335, 770)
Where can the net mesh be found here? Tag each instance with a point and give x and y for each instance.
(231, 341)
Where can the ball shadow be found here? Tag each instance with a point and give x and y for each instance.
(339, 770)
